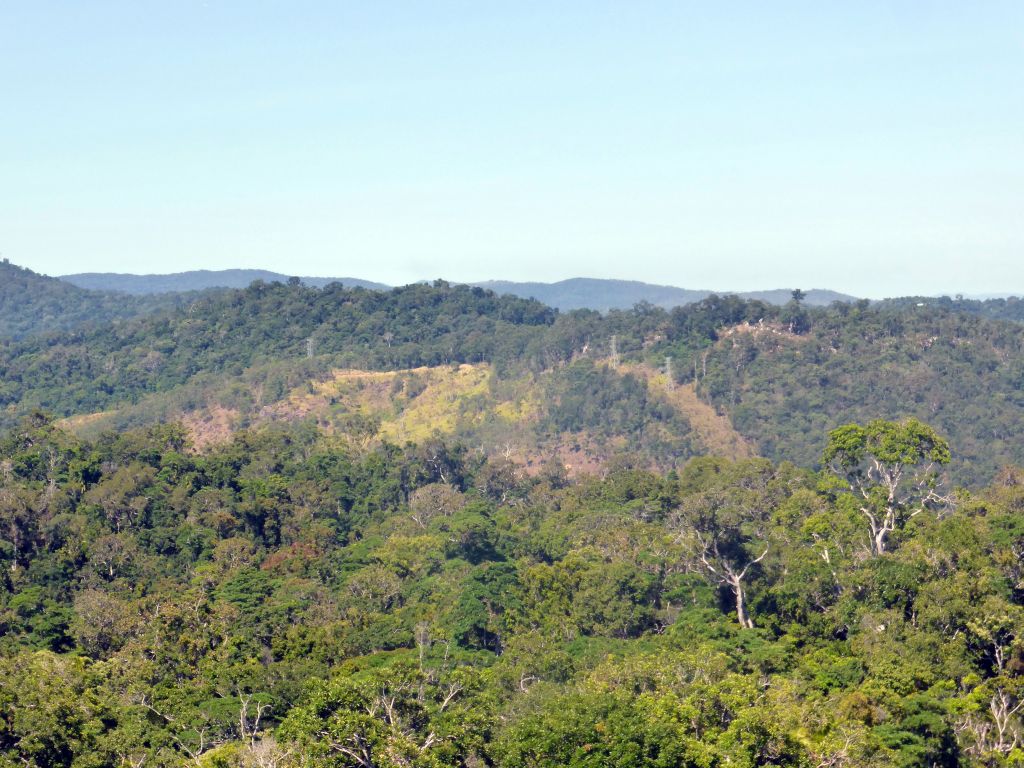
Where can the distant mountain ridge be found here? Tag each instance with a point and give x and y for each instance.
(815, 297)
(574, 293)
(595, 293)
(604, 294)
(200, 280)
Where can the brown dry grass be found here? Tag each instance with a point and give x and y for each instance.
(211, 426)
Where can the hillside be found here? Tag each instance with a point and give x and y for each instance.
(779, 377)
(959, 372)
(586, 415)
(275, 325)
(32, 303)
(995, 308)
(437, 527)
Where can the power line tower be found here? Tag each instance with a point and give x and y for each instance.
(615, 351)
(670, 382)
(309, 347)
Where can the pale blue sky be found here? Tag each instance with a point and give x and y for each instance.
(872, 147)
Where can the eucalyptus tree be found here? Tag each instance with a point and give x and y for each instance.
(727, 527)
(727, 542)
(892, 470)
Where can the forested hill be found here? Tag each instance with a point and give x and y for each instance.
(224, 333)
(960, 372)
(783, 376)
(32, 303)
(1009, 308)
(370, 569)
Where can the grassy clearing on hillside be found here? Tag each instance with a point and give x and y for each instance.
(469, 403)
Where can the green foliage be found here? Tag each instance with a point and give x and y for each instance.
(889, 468)
(906, 443)
(404, 328)
(785, 376)
(390, 717)
(32, 303)
(51, 712)
(953, 370)
(293, 598)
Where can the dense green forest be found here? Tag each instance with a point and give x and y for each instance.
(225, 333)
(958, 371)
(394, 555)
(783, 375)
(32, 303)
(1011, 308)
(285, 600)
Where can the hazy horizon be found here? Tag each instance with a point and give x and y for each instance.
(873, 150)
(714, 289)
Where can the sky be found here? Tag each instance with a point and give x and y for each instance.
(875, 148)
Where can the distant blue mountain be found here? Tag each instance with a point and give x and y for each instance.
(576, 293)
(199, 280)
(591, 293)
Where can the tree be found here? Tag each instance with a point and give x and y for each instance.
(387, 718)
(728, 539)
(794, 315)
(890, 468)
(50, 711)
(990, 727)
(995, 630)
(103, 623)
(432, 501)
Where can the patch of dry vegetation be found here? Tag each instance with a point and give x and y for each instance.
(714, 430)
